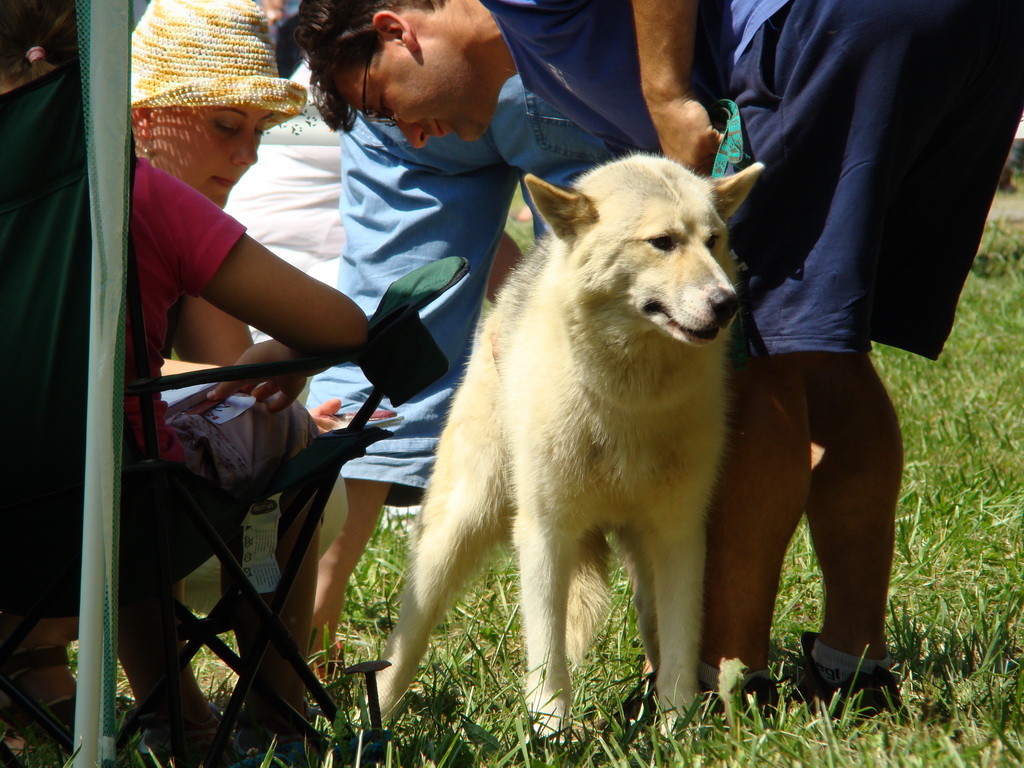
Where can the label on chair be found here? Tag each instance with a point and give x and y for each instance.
(259, 543)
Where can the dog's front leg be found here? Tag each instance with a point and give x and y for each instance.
(546, 557)
(677, 560)
(641, 574)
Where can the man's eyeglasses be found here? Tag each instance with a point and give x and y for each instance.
(372, 115)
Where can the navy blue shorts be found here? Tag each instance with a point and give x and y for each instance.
(883, 126)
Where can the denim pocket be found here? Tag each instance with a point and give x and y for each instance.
(556, 133)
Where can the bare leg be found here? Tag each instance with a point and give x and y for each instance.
(365, 499)
(45, 684)
(854, 490)
(786, 407)
(505, 260)
(139, 639)
(759, 503)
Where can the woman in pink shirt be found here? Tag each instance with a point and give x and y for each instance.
(198, 112)
(185, 245)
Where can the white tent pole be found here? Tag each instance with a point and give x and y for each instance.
(104, 29)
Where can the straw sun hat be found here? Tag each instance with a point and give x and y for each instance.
(195, 53)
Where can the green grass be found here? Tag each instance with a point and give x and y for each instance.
(956, 597)
(954, 618)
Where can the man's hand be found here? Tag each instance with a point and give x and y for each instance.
(686, 133)
(325, 414)
(666, 32)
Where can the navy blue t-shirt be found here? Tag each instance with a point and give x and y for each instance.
(581, 56)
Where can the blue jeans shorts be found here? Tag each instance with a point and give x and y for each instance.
(404, 207)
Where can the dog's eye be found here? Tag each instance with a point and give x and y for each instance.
(711, 241)
(662, 242)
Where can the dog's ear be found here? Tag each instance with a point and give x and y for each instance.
(566, 210)
(733, 190)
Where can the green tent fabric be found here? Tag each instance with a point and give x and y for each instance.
(44, 209)
(45, 265)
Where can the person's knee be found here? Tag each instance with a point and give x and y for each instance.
(850, 412)
(767, 453)
(768, 403)
(365, 499)
(795, 407)
(845, 384)
(47, 632)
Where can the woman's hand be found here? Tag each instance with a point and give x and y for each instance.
(278, 392)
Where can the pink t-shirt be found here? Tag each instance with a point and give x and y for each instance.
(181, 239)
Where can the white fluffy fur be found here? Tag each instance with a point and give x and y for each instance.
(594, 406)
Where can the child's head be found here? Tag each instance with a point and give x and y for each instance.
(202, 53)
(204, 87)
(35, 37)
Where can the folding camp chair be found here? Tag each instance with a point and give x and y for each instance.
(171, 520)
(400, 359)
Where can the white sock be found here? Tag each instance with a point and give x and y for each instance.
(838, 667)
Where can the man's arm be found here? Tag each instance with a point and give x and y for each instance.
(665, 35)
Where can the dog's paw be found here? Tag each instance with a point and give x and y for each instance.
(550, 716)
(671, 719)
(550, 726)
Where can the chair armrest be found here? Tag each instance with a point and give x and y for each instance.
(400, 357)
(237, 372)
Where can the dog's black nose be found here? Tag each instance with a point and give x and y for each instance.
(724, 303)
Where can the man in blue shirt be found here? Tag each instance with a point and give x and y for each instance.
(865, 115)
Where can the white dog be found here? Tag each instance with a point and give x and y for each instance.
(595, 405)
